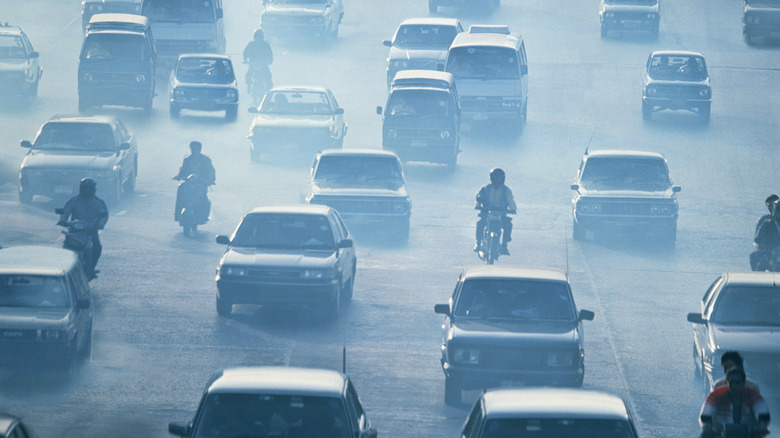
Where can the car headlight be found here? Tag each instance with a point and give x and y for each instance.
(52, 335)
(178, 92)
(651, 90)
(140, 78)
(444, 135)
(402, 206)
(589, 207)
(318, 19)
(704, 92)
(609, 14)
(560, 359)
(753, 19)
(95, 8)
(231, 94)
(233, 271)
(87, 77)
(468, 356)
(318, 274)
(651, 16)
(661, 208)
(392, 133)
(399, 63)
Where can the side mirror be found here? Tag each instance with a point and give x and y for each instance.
(696, 318)
(586, 315)
(379, 110)
(346, 243)
(124, 146)
(223, 239)
(34, 54)
(442, 309)
(59, 210)
(26, 144)
(524, 69)
(370, 433)
(676, 189)
(178, 429)
(387, 43)
(574, 186)
(338, 111)
(252, 110)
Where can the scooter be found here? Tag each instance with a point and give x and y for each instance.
(78, 238)
(192, 205)
(261, 82)
(490, 243)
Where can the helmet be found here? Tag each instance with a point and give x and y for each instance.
(497, 176)
(259, 35)
(87, 187)
(770, 200)
(196, 146)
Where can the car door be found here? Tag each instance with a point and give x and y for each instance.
(338, 116)
(701, 331)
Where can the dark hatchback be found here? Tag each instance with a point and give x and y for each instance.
(508, 326)
(205, 83)
(740, 311)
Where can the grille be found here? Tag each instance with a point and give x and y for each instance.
(676, 91)
(359, 205)
(274, 274)
(418, 133)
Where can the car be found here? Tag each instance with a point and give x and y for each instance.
(420, 44)
(267, 401)
(508, 325)
(760, 19)
(92, 7)
(630, 15)
(12, 426)
(485, 5)
(204, 82)
(20, 72)
(366, 187)
(623, 190)
(296, 119)
(739, 311)
(676, 80)
(45, 309)
(69, 148)
(298, 19)
(297, 255)
(549, 412)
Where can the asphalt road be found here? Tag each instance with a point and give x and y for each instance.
(157, 335)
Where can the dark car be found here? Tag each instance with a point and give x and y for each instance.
(278, 402)
(117, 63)
(297, 19)
(288, 255)
(206, 83)
(624, 191)
(549, 412)
(19, 69)
(485, 5)
(13, 427)
(92, 7)
(366, 186)
(630, 16)
(676, 80)
(511, 326)
(421, 119)
(739, 311)
(421, 44)
(761, 19)
(69, 148)
(45, 309)
(294, 120)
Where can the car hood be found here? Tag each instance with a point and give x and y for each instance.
(292, 121)
(386, 189)
(13, 65)
(69, 159)
(22, 318)
(294, 9)
(747, 338)
(543, 333)
(418, 54)
(279, 258)
(652, 191)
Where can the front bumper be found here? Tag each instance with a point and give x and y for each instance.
(61, 183)
(675, 103)
(480, 378)
(266, 292)
(647, 224)
(204, 105)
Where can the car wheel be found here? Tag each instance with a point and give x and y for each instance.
(452, 161)
(656, 31)
(432, 7)
(452, 392)
(67, 368)
(231, 113)
(148, 106)
(130, 183)
(577, 231)
(116, 193)
(333, 307)
(349, 288)
(334, 33)
(403, 231)
(647, 112)
(704, 112)
(174, 111)
(86, 350)
(25, 196)
(670, 238)
(224, 307)
(34, 88)
(748, 39)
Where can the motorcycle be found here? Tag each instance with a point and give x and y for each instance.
(490, 243)
(78, 238)
(260, 81)
(765, 260)
(192, 205)
(741, 430)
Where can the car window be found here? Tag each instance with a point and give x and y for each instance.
(706, 300)
(114, 47)
(351, 170)
(205, 71)
(284, 231)
(296, 102)
(677, 67)
(18, 432)
(424, 35)
(515, 299)
(483, 63)
(558, 428)
(747, 305)
(12, 47)
(641, 172)
(419, 104)
(261, 415)
(473, 422)
(36, 291)
(93, 137)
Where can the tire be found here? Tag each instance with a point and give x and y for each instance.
(452, 161)
(656, 31)
(116, 194)
(34, 88)
(670, 237)
(148, 106)
(174, 111)
(493, 250)
(224, 307)
(403, 232)
(67, 369)
(647, 112)
(452, 392)
(86, 351)
(231, 113)
(333, 307)
(333, 35)
(704, 112)
(432, 7)
(130, 183)
(577, 231)
(349, 288)
(25, 196)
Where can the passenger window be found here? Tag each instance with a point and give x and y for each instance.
(474, 422)
(708, 300)
(18, 432)
(354, 406)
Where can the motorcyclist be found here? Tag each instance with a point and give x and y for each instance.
(734, 404)
(259, 56)
(88, 208)
(767, 238)
(492, 197)
(200, 165)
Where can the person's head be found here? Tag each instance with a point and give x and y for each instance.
(771, 200)
(259, 35)
(87, 187)
(735, 378)
(731, 359)
(497, 176)
(196, 147)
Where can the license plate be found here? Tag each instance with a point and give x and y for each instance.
(63, 189)
(419, 144)
(480, 116)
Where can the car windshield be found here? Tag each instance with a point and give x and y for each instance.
(632, 2)
(630, 171)
(205, 71)
(424, 35)
(667, 67)
(419, 104)
(284, 231)
(296, 102)
(763, 2)
(748, 305)
(519, 299)
(76, 136)
(483, 63)
(234, 415)
(179, 11)
(12, 47)
(32, 291)
(114, 47)
(556, 427)
(357, 170)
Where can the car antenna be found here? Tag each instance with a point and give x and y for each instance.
(591, 139)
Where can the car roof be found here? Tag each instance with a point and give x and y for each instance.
(465, 39)
(553, 403)
(751, 278)
(503, 271)
(278, 380)
(624, 153)
(296, 209)
(36, 259)
(204, 55)
(299, 88)
(676, 53)
(66, 118)
(6, 421)
(9, 29)
(423, 78)
(359, 152)
(120, 19)
(437, 21)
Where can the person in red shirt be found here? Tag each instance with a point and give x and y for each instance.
(734, 404)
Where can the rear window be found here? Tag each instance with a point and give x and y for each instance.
(558, 428)
(483, 63)
(107, 46)
(36, 291)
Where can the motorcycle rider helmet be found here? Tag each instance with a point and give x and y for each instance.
(770, 200)
(497, 176)
(259, 35)
(87, 187)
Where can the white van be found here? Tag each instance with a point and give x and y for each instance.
(491, 71)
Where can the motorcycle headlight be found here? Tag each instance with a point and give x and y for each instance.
(140, 78)
(560, 359)
(444, 135)
(235, 271)
(392, 133)
(468, 356)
